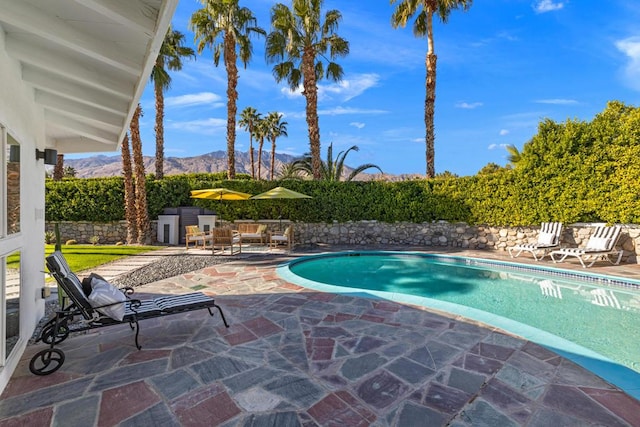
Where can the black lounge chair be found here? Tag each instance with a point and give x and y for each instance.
(58, 328)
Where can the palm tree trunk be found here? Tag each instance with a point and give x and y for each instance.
(142, 213)
(273, 156)
(429, 113)
(159, 128)
(260, 157)
(311, 95)
(129, 193)
(58, 170)
(253, 166)
(232, 98)
(430, 99)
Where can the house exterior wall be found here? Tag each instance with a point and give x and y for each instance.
(23, 120)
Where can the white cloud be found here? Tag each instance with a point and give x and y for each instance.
(358, 125)
(557, 101)
(631, 48)
(504, 132)
(211, 126)
(347, 89)
(192, 99)
(543, 6)
(468, 105)
(288, 93)
(340, 111)
(495, 146)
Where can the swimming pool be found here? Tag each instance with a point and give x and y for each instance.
(591, 319)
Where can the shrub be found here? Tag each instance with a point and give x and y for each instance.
(94, 240)
(71, 242)
(49, 237)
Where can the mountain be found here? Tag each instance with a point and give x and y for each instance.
(216, 161)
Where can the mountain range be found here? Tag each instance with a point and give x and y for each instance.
(216, 161)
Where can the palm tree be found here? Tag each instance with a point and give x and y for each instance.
(423, 26)
(514, 154)
(298, 43)
(58, 169)
(248, 119)
(261, 130)
(223, 25)
(170, 56)
(275, 129)
(142, 214)
(332, 170)
(129, 192)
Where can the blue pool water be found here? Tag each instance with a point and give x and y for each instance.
(571, 313)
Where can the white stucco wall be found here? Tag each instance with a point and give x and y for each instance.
(23, 120)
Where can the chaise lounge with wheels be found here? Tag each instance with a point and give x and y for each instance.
(600, 246)
(97, 303)
(548, 240)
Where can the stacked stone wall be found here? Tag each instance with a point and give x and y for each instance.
(431, 235)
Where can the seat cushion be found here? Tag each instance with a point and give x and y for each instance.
(598, 243)
(104, 293)
(546, 238)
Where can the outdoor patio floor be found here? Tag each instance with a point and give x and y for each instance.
(292, 357)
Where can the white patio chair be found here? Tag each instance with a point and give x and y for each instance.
(600, 246)
(548, 239)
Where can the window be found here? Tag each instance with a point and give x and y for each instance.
(10, 275)
(12, 190)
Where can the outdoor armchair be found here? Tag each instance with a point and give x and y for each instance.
(223, 237)
(194, 235)
(286, 237)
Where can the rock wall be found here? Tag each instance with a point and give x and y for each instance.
(373, 233)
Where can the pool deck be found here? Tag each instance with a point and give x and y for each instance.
(293, 356)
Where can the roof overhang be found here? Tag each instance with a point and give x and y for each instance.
(87, 62)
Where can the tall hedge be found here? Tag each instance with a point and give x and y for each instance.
(571, 171)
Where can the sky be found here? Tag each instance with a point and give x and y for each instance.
(503, 67)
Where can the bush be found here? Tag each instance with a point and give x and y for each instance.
(71, 242)
(94, 240)
(568, 172)
(49, 237)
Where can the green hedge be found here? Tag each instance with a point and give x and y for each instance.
(569, 172)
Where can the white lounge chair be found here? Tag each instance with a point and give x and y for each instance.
(548, 239)
(600, 246)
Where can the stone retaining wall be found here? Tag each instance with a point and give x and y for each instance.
(373, 233)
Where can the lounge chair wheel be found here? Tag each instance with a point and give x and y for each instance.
(46, 361)
(47, 334)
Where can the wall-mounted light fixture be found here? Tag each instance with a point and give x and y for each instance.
(49, 156)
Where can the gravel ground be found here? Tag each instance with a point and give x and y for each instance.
(167, 266)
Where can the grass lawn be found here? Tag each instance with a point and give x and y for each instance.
(84, 257)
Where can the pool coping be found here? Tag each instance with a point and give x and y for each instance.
(621, 376)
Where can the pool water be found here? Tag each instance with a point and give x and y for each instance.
(601, 318)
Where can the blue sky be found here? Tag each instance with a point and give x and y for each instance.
(503, 66)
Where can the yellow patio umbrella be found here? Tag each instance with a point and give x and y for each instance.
(280, 193)
(219, 194)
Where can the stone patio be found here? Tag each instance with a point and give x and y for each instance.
(294, 357)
